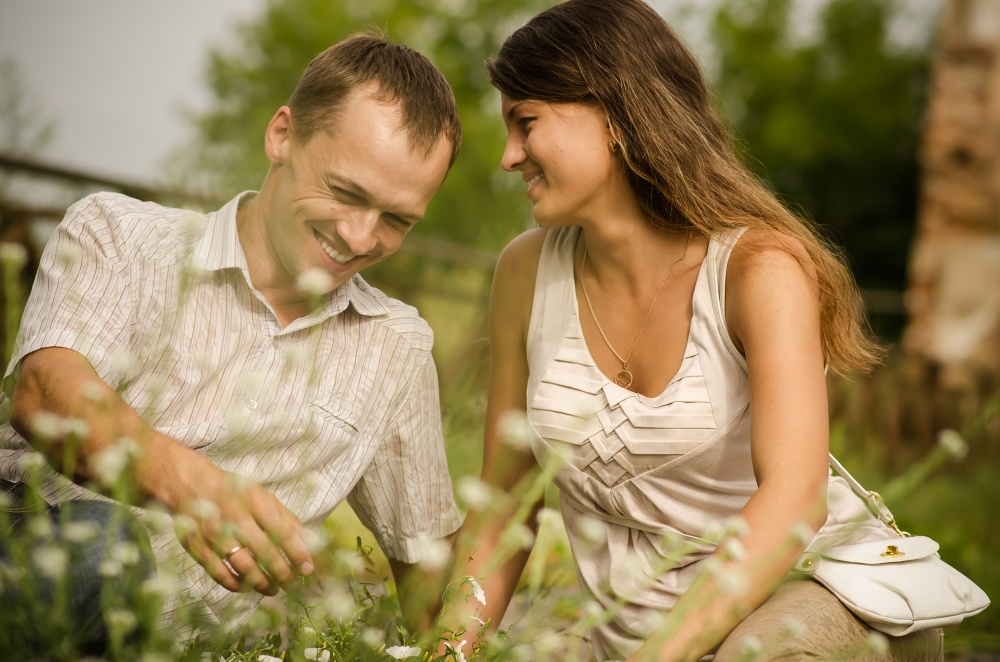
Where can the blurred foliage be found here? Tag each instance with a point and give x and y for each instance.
(832, 122)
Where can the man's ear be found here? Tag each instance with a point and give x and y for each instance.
(278, 137)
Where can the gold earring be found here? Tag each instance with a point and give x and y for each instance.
(613, 146)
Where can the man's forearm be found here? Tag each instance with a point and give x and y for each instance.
(61, 382)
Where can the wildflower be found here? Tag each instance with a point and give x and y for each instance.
(75, 428)
(459, 650)
(204, 509)
(371, 637)
(549, 643)
(793, 627)
(110, 568)
(108, 464)
(122, 361)
(877, 643)
(68, 254)
(477, 591)
(519, 536)
(268, 658)
(315, 282)
(515, 430)
(752, 647)
(714, 532)
(32, 462)
(46, 426)
(435, 554)
(79, 532)
(159, 585)
(121, 620)
(592, 610)
(953, 444)
(40, 526)
(315, 541)
(126, 553)
(14, 254)
(481, 622)
(734, 549)
(737, 527)
(474, 492)
(592, 530)
(349, 560)
(549, 518)
(802, 534)
(92, 391)
(51, 561)
(338, 605)
(318, 654)
(403, 652)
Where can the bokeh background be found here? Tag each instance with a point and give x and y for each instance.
(879, 120)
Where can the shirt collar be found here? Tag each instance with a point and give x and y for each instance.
(219, 248)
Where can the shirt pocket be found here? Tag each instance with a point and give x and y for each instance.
(331, 408)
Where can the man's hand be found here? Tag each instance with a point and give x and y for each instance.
(240, 533)
(217, 512)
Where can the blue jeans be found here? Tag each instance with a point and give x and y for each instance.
(70, 575)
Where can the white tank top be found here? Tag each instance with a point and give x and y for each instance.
(639, 467)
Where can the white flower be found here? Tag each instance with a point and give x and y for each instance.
(46, 426)
(519, 536)
(76, 428)
(403, 652)
(459, 650)
(549, 518)
(478, 620)
(515, 429)
(110, 568)
(435, 553)
(79, 532)
(159, 585)
(953, 444)
(714, 532)
(315, 541)
(592, 530)
(126, 553)
(40, 526)
(473, 492)
(802, 534)
(793, 627)
(752, 647)
(268, 658)
(877, 643)
(371, 637)
(68, 254)
(51, 561)
(315, 282)
(738, 527)
(477, 591)
(734, 549)
(92, 391)
(338, 605)
(592, 610)
(204, 509)
(13, 254)
(349, 560)
(549, 643)
(108, 464)
(121, 620)
(122, 361)
(317, 654)
(32, 462)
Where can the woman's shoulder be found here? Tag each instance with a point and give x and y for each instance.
(766, 250)
(520, 258)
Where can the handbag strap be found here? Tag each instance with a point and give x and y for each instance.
(873, 499)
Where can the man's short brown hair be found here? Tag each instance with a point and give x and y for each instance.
(400, 74)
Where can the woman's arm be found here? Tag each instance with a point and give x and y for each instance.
(772, 311)
(504, 466)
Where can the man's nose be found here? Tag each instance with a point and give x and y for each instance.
(359, 231)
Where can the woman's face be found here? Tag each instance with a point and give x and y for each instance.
(563, 155)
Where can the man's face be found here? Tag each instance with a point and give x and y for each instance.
(346, 198)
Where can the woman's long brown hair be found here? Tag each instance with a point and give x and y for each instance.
(677, 153)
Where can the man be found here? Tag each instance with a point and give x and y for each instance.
(235, 363)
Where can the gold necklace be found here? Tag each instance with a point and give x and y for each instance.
(624, 376)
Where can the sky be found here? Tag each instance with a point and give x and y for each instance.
(114, 75)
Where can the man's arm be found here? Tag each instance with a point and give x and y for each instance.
(226, 510)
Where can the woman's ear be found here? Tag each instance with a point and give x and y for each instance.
(278, 136)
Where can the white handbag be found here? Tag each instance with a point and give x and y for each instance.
(896, 586)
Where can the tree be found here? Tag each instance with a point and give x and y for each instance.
(832, 123)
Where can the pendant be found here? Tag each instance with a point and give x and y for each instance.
(624, 378)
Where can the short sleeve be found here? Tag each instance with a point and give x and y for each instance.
(405, 497)
(81, 297)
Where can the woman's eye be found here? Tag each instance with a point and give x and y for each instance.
(524, 122)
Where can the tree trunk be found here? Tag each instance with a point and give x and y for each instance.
(953, 298)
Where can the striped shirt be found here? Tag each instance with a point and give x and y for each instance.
(340, 403)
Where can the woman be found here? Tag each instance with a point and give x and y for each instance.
(666, 295)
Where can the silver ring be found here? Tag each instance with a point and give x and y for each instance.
(231, 552)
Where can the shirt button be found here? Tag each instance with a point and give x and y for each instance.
(251, 404)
